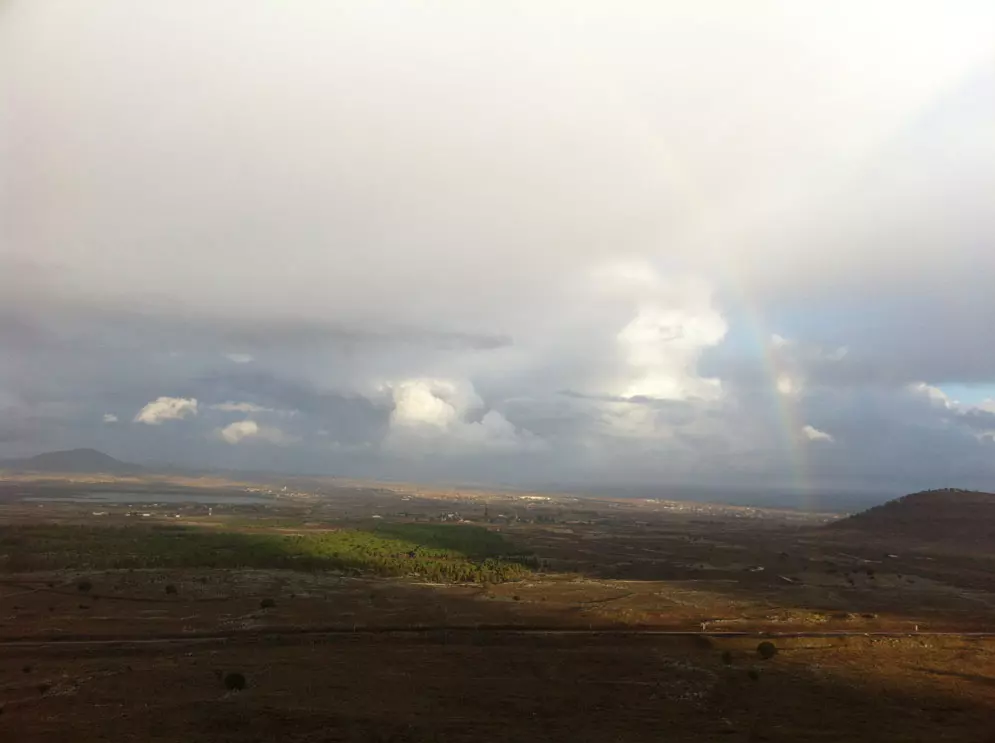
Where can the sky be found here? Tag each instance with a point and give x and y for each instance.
(526, 243)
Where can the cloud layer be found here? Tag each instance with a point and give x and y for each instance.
(543, 243)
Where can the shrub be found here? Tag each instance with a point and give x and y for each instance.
(170, 588)
(727, 657)
(234, 681)
(703, 642)
(267, 604)
(766, 650)
(754, 674)
(84, 585)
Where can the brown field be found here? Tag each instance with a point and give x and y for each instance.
(642, 623)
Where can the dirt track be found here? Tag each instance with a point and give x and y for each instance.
(312, 634)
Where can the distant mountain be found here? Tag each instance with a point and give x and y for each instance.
(950, 515)
(73, 460)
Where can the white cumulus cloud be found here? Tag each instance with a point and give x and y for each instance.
(675, 321)
(438, 403)
(934, 394)
(110, 418)
(437, 414)
(249, 429)
(235, 432)
(814, 434)
(788, 385)
(165, 409)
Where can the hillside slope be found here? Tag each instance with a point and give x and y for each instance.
(72, 460)
(950, 515)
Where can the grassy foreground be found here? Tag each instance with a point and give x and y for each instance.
(443, 553)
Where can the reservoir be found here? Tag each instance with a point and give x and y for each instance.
(124, 497)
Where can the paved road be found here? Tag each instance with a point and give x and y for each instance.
(278, 633)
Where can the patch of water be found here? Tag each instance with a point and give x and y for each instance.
(123, 497)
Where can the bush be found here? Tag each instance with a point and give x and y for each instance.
(267, 604)
(170, 588)
(754, 674)
(234, 681)
(727, 657)
(84, 585)
(766, 650)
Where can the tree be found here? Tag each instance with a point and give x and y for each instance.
(766, 650)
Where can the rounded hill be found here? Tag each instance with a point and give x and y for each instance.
(72, 460)
(949, 515)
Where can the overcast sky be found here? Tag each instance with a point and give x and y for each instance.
(618, 243)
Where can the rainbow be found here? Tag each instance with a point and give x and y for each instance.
(786, 409)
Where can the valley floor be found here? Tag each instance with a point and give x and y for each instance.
(630, 624)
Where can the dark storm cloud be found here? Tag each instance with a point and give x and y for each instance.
(57, 320)
(344, 418)
(302, 333)
(982, 421)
